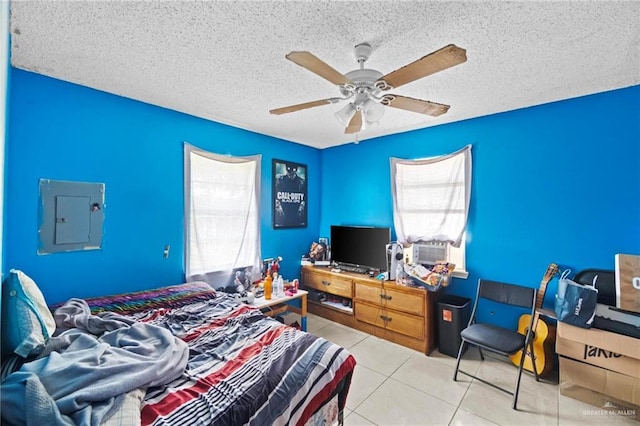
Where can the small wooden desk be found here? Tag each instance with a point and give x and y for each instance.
(276, 306)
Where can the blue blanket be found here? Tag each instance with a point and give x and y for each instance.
(81, 376)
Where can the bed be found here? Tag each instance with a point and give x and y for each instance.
(242, 367)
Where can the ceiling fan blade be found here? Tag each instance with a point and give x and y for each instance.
(312, 63)
(436, 61)
(416, 105)
(355, 124)
(298, 107)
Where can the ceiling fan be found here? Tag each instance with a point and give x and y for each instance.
(364, 87)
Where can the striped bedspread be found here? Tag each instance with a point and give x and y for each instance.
(244, 368)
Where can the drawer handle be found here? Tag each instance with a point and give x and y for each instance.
(385, 318)
(385, 297)
(326, 283)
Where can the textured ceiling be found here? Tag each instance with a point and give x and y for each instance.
(225, 60)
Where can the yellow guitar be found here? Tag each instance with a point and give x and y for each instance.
(544, 332)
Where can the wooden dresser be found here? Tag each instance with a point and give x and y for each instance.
(400, 314)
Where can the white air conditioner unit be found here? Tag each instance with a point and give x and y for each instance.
(426, 253)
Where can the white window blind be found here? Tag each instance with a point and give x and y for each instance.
(431, 197)
(222, 218)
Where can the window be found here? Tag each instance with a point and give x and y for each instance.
(222, 218)
(431, 200)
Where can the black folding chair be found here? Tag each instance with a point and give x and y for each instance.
(498, 338)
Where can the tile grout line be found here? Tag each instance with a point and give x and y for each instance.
(368, 396)
(457, 407)
(387, 377)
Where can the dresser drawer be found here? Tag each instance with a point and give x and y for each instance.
(328, 284)
(393, 299)
(392, 320)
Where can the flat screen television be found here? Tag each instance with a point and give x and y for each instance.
(360, 246)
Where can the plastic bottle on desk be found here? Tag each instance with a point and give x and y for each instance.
(279, 287)
(268, 287)
(275, 285)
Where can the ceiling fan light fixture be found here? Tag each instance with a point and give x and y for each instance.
(344, 114)
(373, 111)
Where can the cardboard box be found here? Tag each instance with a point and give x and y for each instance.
(599, 357)
(605, 389)
(628, 282)
(600, 368)
(614, 342)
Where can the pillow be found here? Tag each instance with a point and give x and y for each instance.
(27, 322)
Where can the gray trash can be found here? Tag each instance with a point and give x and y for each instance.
(453, 317)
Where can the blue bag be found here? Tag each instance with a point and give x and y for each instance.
(576, 303)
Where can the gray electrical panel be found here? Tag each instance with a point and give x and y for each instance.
(71, 216)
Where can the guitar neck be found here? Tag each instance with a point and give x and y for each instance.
(541, 293)
(552, 270)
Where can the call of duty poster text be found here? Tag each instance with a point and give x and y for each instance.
(289, 194)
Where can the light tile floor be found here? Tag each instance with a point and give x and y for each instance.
(393, 385)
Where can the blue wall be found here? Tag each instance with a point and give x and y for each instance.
(62, 131)
(554, 183)
(557, 183)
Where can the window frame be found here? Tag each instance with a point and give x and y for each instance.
(418, 183)
(230, 209)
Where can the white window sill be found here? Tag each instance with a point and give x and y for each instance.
(460, 274)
